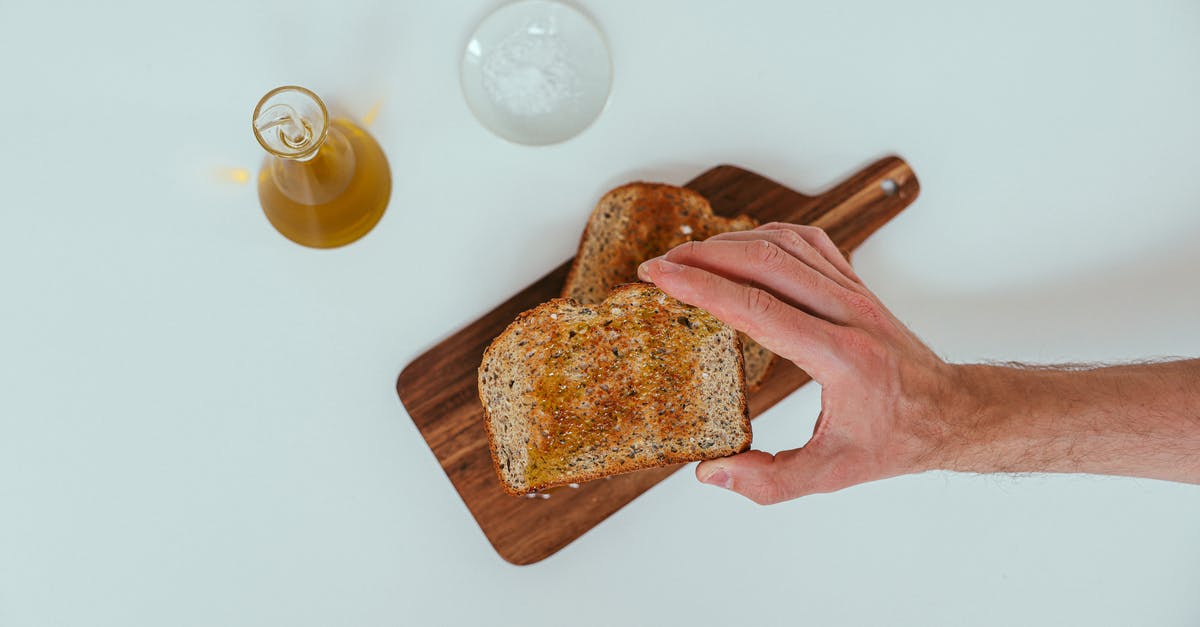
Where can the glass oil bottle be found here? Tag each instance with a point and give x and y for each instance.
(324, 183)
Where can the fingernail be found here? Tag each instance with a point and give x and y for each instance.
(658, 263)
(644, 270)
(719, 478)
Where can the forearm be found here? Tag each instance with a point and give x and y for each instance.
(1135, 420)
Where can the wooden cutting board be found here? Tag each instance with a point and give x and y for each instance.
(439, 388)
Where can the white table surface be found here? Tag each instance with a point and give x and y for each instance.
(198, 424)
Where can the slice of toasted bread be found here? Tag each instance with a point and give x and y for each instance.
(640, 221)
(574, 393)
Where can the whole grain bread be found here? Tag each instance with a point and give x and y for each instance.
(575, 392)
(640, 221)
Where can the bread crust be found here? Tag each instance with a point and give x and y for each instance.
(644, 187)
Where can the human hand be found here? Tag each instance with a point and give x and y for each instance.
(884, 394)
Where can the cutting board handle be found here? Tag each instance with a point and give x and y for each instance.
(855, 208)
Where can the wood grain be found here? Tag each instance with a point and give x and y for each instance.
(439, 388)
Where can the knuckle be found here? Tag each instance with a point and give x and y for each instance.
(862, 306)
(759, 302)
(791, 239)
(850, 339)
(820, 235)
(689, 248)
(767, 255)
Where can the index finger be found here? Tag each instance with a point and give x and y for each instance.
(805, 340)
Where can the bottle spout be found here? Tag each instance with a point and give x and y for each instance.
(294, 130)
(291, 122)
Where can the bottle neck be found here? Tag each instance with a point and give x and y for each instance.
(321, 176)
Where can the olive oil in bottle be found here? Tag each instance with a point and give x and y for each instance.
(324, 183)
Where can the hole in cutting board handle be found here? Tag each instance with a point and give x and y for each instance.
(889, 187)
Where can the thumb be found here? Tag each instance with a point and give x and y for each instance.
(766, 479)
